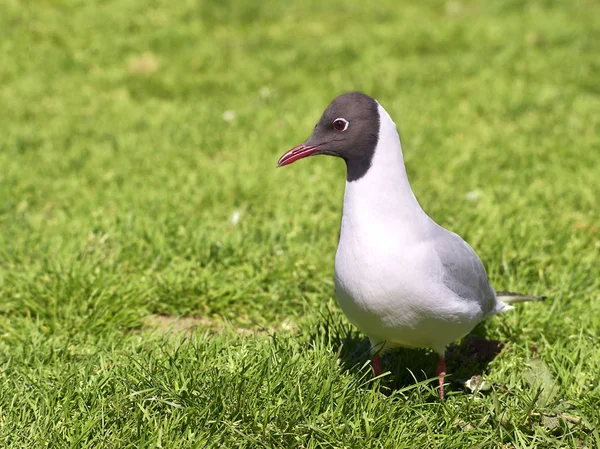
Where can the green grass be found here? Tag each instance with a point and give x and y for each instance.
(119, 179)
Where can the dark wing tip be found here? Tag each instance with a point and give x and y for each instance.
(519, 297)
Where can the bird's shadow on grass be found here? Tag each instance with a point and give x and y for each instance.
(470, 357)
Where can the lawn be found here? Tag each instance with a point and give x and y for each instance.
(162, 284)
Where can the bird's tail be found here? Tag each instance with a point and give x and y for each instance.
(512, 297)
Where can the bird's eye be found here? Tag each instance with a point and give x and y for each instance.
(340, 124)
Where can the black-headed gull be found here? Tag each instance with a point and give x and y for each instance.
(401, 278)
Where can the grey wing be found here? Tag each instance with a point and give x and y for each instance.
(463, 272)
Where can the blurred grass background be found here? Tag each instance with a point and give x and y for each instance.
(138, 144)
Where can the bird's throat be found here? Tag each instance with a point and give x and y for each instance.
(383, 195)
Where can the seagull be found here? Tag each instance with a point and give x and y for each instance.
(400, 278)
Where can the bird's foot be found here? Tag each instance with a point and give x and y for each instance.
(440, 371)
(376, 366)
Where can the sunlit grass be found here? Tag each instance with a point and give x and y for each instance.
(138, 144)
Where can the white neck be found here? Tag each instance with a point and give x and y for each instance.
(382, 199)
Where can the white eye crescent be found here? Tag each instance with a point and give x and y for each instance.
(340, 124)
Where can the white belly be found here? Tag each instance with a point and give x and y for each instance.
(393, 301)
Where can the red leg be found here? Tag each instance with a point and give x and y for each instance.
(376, 366)
(441, 371)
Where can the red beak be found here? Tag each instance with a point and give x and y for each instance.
(296, 153)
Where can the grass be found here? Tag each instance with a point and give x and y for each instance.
(138, 144)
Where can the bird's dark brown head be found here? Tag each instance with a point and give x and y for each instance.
(349, 128)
